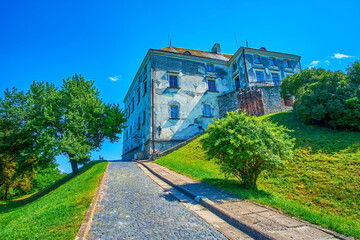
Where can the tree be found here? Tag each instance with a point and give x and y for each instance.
(70, 121)
(325, 97)
(16, 170)
(245, 146)
(18, 159)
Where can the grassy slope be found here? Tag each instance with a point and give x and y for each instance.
(54, 213)
(321, 184)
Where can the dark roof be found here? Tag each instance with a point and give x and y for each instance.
(198, 53)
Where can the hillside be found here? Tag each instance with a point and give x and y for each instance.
(320, 185)
(54, 213)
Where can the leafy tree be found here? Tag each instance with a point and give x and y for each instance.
(245, 146)
(71, 120)
(325, 97)
(16, 171)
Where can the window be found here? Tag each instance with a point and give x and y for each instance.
(132, 102)
(257, 59)
(174, 112)
(145, 87)
(234, 67)
(144, 117)
(130, 130)
(187, 53)
(138, 96)
(173, 80)
(275, 78)
(237, 83)
(211, 86)
(260, 76)
(129, 109)
(272, 62)
(138, 127)
(210, 67)
(286, 63)
(207, 110)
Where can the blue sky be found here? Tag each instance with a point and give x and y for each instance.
(106, 40)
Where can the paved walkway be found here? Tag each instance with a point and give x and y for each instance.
(132, 206)
(259, 221)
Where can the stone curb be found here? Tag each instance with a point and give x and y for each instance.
(213, 208)
(86, 224)
(257, 233)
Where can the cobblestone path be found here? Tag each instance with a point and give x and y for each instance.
(134, 207)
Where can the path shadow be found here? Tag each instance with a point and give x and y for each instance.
(11, 205)
(168, 197)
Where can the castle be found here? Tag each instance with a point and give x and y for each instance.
(176, 92)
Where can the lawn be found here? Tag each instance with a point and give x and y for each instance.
(54, 213)
(321, 184)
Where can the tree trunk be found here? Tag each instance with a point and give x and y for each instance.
(74, 166)
(6, 192)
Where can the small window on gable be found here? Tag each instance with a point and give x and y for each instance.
(173, 81)
(286, 63)
(187, 53)
(210, 67)
(211, 85)
(272, 61)
(237, 82)
(145, 87)
(174, 112)
(257, 59)
(207, 110)
(138, 96)
(260, 76)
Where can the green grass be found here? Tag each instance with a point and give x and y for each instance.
(54, 213)
(321, 185)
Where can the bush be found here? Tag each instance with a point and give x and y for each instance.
(325, 97)
(244, 146)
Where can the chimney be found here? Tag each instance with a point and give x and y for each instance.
(216, 49)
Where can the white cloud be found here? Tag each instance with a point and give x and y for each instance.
(313, 64)
(327, 62)
(340, 56)
(62, 170)
(114, 79)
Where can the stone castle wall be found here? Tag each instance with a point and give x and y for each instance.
(273, 103)
(228, 103)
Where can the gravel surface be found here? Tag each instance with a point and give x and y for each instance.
(132, 206)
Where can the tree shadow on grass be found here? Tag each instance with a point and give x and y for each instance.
(234, 187)
(318, 138)
(11, 205)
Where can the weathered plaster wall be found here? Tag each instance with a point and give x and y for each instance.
(132, 136)
(267, 69)
(190, 97)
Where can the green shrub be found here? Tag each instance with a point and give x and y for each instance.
(245, 146)
(325, 97)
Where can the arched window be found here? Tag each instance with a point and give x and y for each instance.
(187, 53)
